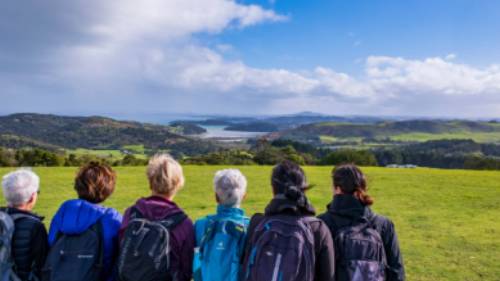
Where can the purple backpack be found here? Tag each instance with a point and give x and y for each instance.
(282, 249)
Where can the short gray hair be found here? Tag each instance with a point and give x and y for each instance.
(19, 186)
(230, 186)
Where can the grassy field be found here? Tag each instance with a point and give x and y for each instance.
(448, 221)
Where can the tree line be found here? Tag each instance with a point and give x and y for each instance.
(449, 154)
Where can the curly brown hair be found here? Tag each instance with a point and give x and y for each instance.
(95, 182)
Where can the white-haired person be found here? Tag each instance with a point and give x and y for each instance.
(220, 237)
(146, 253)
(29, 242)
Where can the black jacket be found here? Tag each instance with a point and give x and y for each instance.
(29, 244)
(346, 210)
(324, 248)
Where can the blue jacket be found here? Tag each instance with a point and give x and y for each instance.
(77, 215)
(236, 215)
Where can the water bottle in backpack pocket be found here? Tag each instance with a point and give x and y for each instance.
(145, 249)
(282, 249)
(360, 253)
(76, 257)
(220, 250)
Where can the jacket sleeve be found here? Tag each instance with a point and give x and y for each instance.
(39, 249)
(395, 269)
(325, 259)
(123, 226)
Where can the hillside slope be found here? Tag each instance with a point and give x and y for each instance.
(52, 132)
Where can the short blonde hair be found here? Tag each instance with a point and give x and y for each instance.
(165, 174)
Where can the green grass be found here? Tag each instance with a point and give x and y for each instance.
(115, 154)
(447, 220)
(422, 137)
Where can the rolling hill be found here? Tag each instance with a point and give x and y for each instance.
(394, 131)
(62, 132)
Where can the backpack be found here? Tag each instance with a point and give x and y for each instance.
(360, 253)
(7, 228)
(220, 250)
(145, 248)
(76, 257)
(282, 248)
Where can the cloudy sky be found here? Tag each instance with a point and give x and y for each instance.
(385, 57)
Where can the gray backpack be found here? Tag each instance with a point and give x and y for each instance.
(282, 248)
(145, 249)
(7, 228)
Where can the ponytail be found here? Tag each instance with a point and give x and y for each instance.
(363, 197)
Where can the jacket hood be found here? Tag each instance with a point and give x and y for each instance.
(348, 206)
(156, 207)
(77, 215)
(286, 206)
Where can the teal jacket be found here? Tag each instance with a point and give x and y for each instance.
(235, 215)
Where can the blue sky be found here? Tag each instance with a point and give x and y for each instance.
(339, 33)
(435, 58)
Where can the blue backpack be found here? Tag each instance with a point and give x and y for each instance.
(220, 249)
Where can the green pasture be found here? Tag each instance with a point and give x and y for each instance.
(448, 221)
(481, 137)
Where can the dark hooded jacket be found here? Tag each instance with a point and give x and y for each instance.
(324, 248)
(156, 208)
(29, 243)
(76, 216)
(346, 210)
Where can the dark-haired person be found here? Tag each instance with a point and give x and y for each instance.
(287, 242)
(350, 219)
(29, 245)
(94, 183)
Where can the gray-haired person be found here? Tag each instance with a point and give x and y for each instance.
(220, 237)
(29, 243)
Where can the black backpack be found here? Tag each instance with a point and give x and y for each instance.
(360, 253)
(145, 249)
(76, 257)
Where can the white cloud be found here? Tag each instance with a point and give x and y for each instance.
(144, 55)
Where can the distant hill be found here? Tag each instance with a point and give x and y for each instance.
(277, 123)
(410, 130)
(63, 132)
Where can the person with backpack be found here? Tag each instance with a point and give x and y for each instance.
(84, 234)
(157, 238)
(288, 242)
(366, 244)
(24, 237)
(220, 238)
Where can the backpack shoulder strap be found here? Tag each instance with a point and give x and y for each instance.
(135, 213)
(170, 222)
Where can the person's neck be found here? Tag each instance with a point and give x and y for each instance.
(167, 197)
(25, 207)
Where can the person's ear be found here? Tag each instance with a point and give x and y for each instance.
(337, 190)
(244, 196)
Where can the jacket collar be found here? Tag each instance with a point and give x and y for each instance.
(224, 212)
(12, 210)
(347, 205)
(279, 206)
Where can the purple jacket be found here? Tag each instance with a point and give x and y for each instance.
(157, 208)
